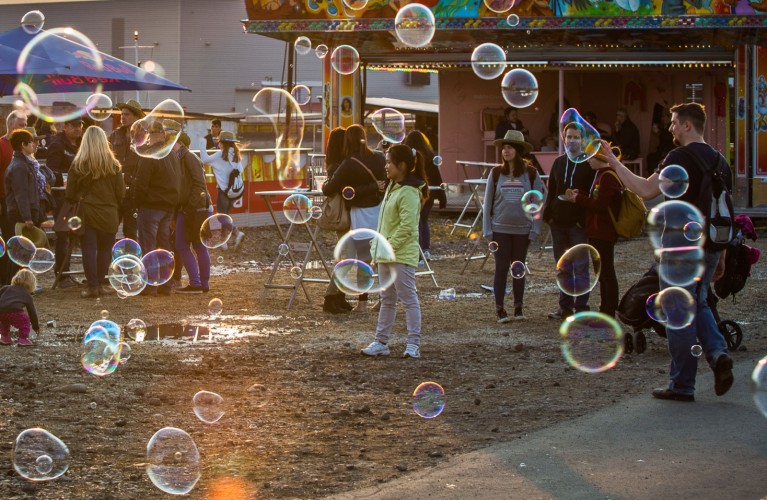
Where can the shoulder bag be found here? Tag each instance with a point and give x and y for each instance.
(70, 209)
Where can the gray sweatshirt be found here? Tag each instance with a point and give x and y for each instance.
(502, 210)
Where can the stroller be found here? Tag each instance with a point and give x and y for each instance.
(740, 257)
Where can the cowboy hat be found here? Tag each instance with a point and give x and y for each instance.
(33, 234)
(132, 105)
(226, 136)
(517, 138)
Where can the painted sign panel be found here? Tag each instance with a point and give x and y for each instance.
(741, 81)
(760, 112)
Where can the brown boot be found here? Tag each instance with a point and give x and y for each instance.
(90, 293)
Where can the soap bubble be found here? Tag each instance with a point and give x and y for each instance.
(38, 455)
(592, 342)
(499, 6)
(296, 272)
(578, 270)
(280, 109)
(348, 193)
(302, 94)
(112, 329)
(414, 25)
(220, 259)
(488, 61)
(283, 249)
(99, 107)
(2, 247)
(124, 352)
(21, 250)
(126, 246)
(32, 22)
(302, 45)
(696, 350)
(345, 59)
(389, 123)
(674, 307)
(150, 137)
(428, 399)
(532, 202)
(519, 88)
(159, 265)
(296, 208)
(315, 212)
(216, 230)
(512, 20)
(173, 461)
(42, 261)
(492, 246)
(581, 139)
(208, 406)
(75, 223)
(98, 352)
(356, 4)
(437, 161)
(666, 224)
(127, 275)
(759, 385)
(518, 269)
(362, 245)
(215, 307)
(104, 314)
(321, 51)
(681, 266)
(693, 231)
(136, 330)
(653, 309)
(673, 181)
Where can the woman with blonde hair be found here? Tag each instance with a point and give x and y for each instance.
(95, 179)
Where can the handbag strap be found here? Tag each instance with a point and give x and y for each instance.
(375, 179)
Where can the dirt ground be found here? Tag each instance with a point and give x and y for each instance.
(306, 414)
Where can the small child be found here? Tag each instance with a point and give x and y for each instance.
(13, 299)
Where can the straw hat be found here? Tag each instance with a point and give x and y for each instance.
(33, 234)
(516, 138)
(132, 105)
(226, 136)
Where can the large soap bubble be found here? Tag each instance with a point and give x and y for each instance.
(345, 59)
(519, 88)
(488, 61)
(155, 135)
(389, 123)
(38, 455)
(302, 94)
(673, 306)
(283, 112)
(578, 270)
(581, 139)
(414, 25)
(668, 224)
(759, 385)
(159, 265)
(216, 230)
(499, 6)
(592, 342)
(173, 461)
(42, 261)
(680, 266)
(673, 181)
(360, 246)
(127, 275)
(126, 246)
(21, 250)
(32, 22)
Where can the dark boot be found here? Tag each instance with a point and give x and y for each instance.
(342, 302)
(331, 305)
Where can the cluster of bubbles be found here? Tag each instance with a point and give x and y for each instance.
(675, 231)
(303, 45)
(588, 143)
(103, 349)
(24, 253)
(352, 274)
(592, 342)
(429, 399)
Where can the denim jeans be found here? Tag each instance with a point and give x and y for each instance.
(684, 365)
(154, 229)
(564, 238)
(511, 248)
(97, 254)
(424, 231)
(198, 269)
(403, 289)
(224, 206)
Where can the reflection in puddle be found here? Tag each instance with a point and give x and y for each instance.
(226, 328)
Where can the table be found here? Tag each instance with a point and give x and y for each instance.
(484, 168)
(311, 229)
(474, 198)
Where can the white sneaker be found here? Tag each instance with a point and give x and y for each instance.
(427, 254)
(412, 351)
(225, 246)
(238, 240)
(376, 349)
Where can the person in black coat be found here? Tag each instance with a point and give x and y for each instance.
(418, 141)
(626, 135)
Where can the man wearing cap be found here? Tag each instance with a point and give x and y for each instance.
(15, 120)
(567, 221)
(156, 192)
(120, 140)
(62, 151)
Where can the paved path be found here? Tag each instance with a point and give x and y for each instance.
(641, 448)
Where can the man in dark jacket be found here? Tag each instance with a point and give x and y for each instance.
(120, 140)
(567, 221)
(626, 135)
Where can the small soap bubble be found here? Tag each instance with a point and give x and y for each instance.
(759, 385)
(124, 352)
(316, 212)
(32, 22)
(302, 94)
(345, 59)
(99, 107)
(302, 45)
(150, 138)
(215, 306)
(532, 202)
(126, 246)
(216, 230)
(488, 61)
(321, 51)
(414, 25)
(443, 186)
(220, 259)
(653, 309)
(518, 270)
(673, 181)
(578, 270)
(429, 399)
(159, 265)
(437, 161)
(592, 342)
(173, 461)
(208, 406)
(675, 307)
(519, 88)
(356, 4)
(75, 223)
(283, 249)
(92, 405)
(696, 350)
(693, 231)
(348, 193)
(136, 330)
(681, 266)
(38, 455)
(353, 277)
(492, 246)
(104, 314)
(512, 20)
(297, 208)
(296, 272)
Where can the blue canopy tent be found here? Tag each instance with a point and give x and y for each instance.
(61, 65)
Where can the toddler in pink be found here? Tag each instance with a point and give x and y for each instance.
(13, 299)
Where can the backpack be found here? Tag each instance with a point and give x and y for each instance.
(737, 269)
(632, 310)
(632, 214)
(236, 187)
(715, 202)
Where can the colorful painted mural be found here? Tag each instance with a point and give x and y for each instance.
(385, 9)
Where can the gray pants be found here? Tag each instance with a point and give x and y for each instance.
(403, 289)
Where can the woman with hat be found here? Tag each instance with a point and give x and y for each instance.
(223, 162)
(505, 221)
(96, 180)
(602, 200)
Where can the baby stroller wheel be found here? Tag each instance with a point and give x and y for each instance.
(628, 343)
(640, 342)
(732, 333)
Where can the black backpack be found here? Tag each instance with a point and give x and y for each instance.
(632, 309)
(715, 201)
(737, 269)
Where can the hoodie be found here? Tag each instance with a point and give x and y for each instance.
(398, 221)
(502, 210)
